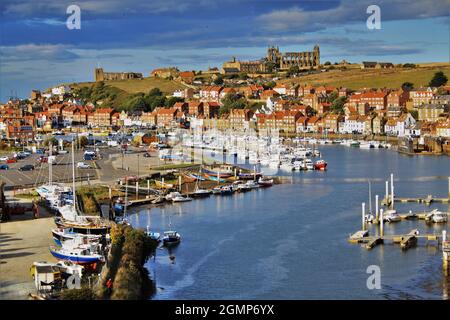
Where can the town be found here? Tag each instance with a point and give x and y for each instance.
(266, 95)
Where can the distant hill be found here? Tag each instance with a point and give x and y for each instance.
(356, 78)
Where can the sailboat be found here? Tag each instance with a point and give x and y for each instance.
(70, 217)
(200, 193)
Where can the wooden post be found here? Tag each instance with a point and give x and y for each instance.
(148, 186)
(363, 216)
(387, 193)
(381, 223)
(179, 182)
(392, 191)
(137, 190)
(254, 172)
(445, 257)
(376, 208)
(449, 187)
(110, 193)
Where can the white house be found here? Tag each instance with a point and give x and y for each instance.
(398, 126)
(353, 124)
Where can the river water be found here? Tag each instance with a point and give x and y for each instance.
(290, 241)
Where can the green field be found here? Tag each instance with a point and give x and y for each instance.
(375, 78)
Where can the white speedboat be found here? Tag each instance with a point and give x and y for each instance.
(171, 238)
(391, 216)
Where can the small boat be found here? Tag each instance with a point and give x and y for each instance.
(252, 184)
(320, 165)
(201, 193)
(153, 235)
(181, 198)
(227, 190)
(83, 227)
(217, 190)
(439, 217)
(308, 164)
(172, 195)
(366, 145)
(391, 216)
(287, 166)
(171, 238)
(265, 182)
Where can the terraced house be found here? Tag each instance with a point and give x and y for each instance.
(100, 117)
(431, 112)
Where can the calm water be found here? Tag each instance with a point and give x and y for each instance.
(290, 241)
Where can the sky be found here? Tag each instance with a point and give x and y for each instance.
(38, 51)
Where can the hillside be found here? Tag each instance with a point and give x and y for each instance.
(375, 78)
(143, 85)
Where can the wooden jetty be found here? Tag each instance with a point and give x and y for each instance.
(406, 241)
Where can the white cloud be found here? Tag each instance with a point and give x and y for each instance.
(349, 11)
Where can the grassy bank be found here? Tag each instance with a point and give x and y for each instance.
(130, 249)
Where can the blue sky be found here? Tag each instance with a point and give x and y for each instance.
(37, 50)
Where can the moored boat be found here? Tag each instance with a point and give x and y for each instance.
(320, 165)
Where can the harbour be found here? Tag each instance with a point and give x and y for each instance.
(291, 233)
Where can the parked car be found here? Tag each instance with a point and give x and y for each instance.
(82, 165)
(42, 159)
(11, 160)
(63, 152)
(4, 158)
(4, 167)
(40, 151)
(27, 167)
(147, 155)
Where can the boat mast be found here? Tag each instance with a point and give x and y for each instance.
(50, 173)
(74, 192)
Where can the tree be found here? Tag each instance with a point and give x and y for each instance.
(407, 86)
(409, 65)
(337, 105)
(82, 141)
(269, 85)
(327, 63)
(439, 79)
(218, 80)
(171, 101)
(232, 101)
(270, 66)
(293, 71)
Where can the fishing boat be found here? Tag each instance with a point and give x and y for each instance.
(171, 238)
(214, 178)
(265, 182)
(227, 190)
(366, 145)
(78, 252)
(320, 165)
